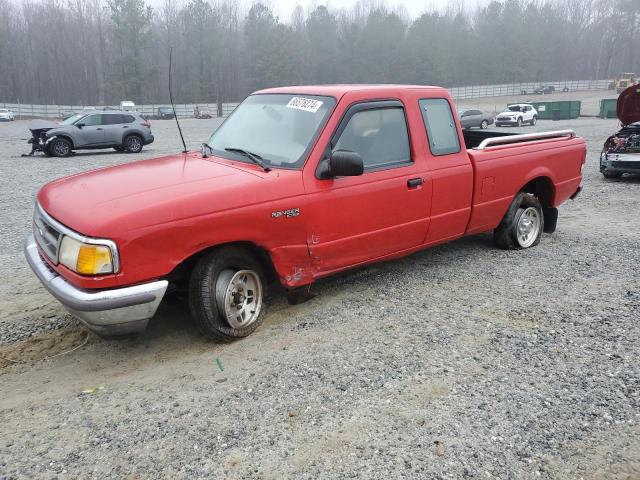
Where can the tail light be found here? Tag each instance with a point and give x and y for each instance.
(146, 123)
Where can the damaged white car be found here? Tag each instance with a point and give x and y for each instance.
(621, 152)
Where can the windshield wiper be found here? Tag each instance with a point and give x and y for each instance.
(254, 157)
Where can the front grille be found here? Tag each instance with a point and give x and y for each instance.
(505, 119)
(47, 237)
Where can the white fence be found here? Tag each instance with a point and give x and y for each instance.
(23, 110)
(479, 91)
(186, 110)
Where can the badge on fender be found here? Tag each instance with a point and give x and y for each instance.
(292, 212)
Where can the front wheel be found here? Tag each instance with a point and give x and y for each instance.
(519, 121)
(484, 125)
(226, 294)
(60, 147)
(522, 225)
(133, 144)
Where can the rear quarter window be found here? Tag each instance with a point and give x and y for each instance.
(441, 128)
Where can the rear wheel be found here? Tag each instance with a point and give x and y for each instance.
(133, 144)
(534, 120)
(60, 147)
(226, 294)
(484, 125)
(522, 225)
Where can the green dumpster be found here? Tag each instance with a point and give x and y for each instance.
(608, 108)
(561, 110)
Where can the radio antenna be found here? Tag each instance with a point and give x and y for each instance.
(184, 145)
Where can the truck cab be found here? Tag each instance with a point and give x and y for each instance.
(299, 183)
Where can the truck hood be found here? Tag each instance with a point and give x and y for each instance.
(628, 106)
(104, 202)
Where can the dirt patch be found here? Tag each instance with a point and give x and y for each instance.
(41, 347)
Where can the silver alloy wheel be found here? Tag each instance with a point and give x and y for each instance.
(484, 124)
(134, 144)
(527, 226)
(534, 120)
(61, 148)
(239, 297)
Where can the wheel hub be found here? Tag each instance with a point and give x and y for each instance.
(528, 226)
(239, 297)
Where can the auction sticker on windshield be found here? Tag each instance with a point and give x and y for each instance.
(306, 104)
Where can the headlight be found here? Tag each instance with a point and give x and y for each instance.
(85, 258)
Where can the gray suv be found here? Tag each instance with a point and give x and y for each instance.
(122, 131)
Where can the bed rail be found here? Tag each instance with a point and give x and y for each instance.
(527, 137)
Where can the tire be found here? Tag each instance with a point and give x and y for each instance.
(522, 225)
(60, 147)
(133, 144)
(610, 174)
(519, 121)
(119, 149)
(212, 294)
(484, 125)
(534, 120)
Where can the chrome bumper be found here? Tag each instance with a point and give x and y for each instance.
(106, 312)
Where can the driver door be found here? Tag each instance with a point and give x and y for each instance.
(91, 133)
(383, 211)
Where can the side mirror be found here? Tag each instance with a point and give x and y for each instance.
(79, 125)
(343, 163)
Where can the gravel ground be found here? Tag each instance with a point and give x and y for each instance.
(462, 361)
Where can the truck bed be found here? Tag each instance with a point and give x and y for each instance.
(547, 164)
(473, 138)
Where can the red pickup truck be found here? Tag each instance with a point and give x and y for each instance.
(297, 184)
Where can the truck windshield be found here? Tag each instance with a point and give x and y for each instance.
(279, 128)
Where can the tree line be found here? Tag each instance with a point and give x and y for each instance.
(90, 52)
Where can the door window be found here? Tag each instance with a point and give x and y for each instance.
(112, 119)
(92, 120)
(441, 129)
(379, 135)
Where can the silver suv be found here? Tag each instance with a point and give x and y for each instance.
(122, 131)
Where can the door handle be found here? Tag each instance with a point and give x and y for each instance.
(98, 128)
(125, 127)
(414, 182)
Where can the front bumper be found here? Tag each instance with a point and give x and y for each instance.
(119, 311)
(620, 162)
